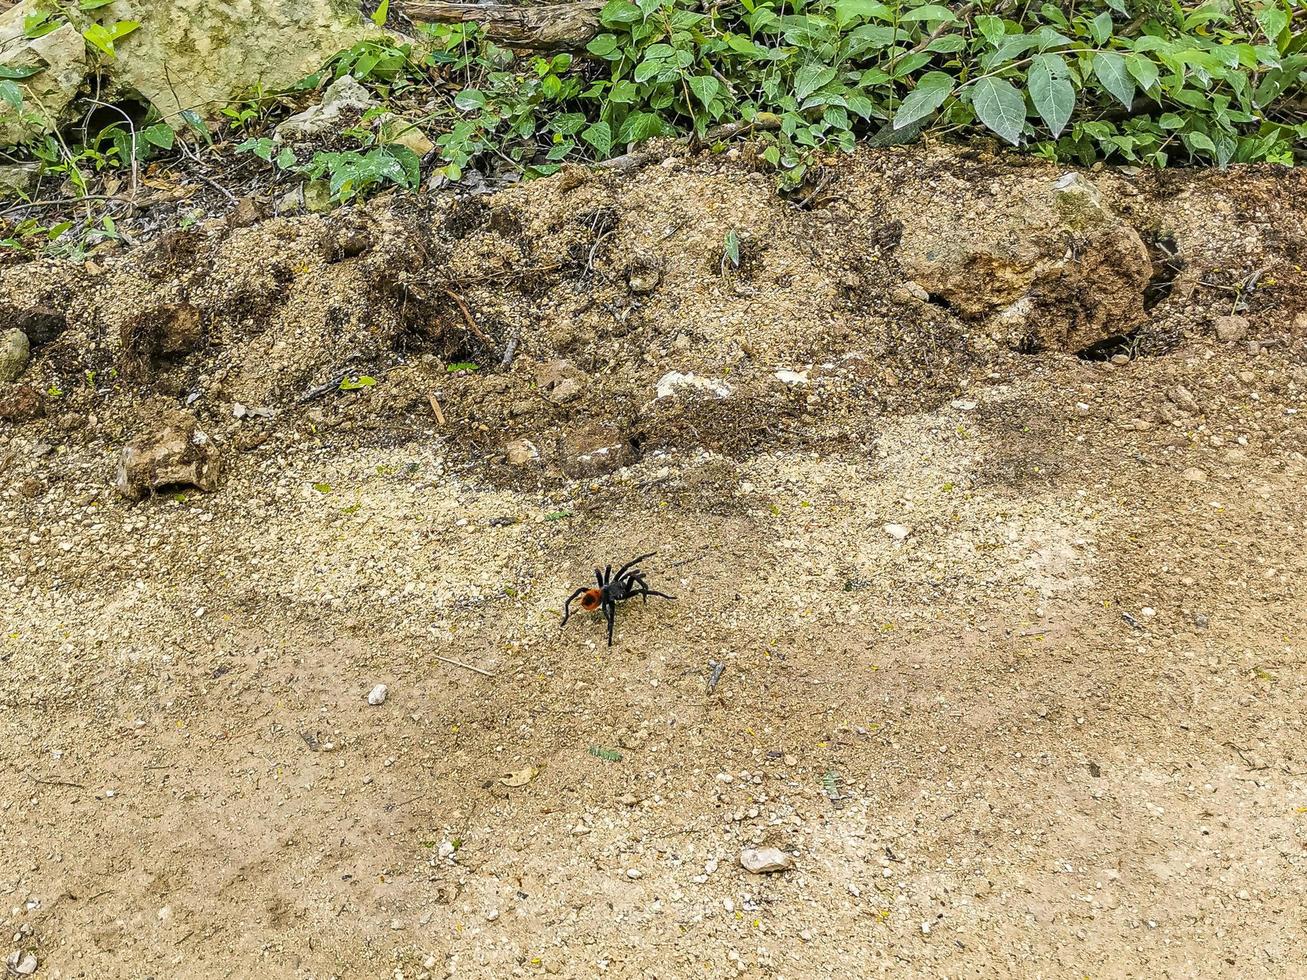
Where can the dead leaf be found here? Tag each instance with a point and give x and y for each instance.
(519, 778)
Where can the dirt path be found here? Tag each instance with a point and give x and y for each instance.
(1057, 731)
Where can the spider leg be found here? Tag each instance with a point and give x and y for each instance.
(567, 606)
(633, 562)
(608, 576)
(610, 610)
(599, 578)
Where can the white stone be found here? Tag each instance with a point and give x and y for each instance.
(377, 695)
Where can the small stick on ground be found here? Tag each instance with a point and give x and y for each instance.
(510, 352)
(458, 663)
(435, 408)
(472, 327)
(57, 782)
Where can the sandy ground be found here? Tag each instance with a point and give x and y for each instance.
(1057, 731)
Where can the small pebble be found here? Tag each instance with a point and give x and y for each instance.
(377, 695)
(763, 860)
(1194, 475)
(896, 531)
(634, 873)
(492, 915)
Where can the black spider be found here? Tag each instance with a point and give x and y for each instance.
(628, 583)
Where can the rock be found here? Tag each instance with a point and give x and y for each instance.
(1120, 360)
(962, 405)
(897, 531)
(560, 381)
(595, 449)
(764, 860)
(21, 964)
(15, 352)
(788, 377)
(42, 324)
(344, 99)
(1183, 399)
(199, 53)
(643, 275)
(634, 873)
(168, 329)
(675, 384)
(63, 63)
(18, 180)
(174, 453)
(908, 291)
(377, 695)
(1230, 329)
(247, 213)
(1194, 475)
(20, 403)
(184, 54)
(997, 252)
(521, 452)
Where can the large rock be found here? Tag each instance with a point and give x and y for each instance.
(344, 99)
(187, 54)
(1037, 262)
(48, 94)
(176, 453)
(14, 354)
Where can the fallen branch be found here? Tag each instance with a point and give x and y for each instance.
(637, 158)
(457, 663)
(561, 26)
(472, 327)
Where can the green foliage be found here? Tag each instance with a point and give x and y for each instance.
(1142, 81)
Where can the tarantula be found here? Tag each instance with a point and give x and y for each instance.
(628, 583)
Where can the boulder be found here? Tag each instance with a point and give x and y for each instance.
(186, 55)
(344, 99)
(15, 352)
(1032, 261)
(62, 64)
(174, 453)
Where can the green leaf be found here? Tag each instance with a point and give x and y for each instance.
(286, 159)
(94, 4)
(618, 12)
(704, 87)
(1053, 96)
(931, 13)
(39, 24)
(458, 366)
(602, 45)
(930, 93)
(1110, 69)
(600, 136)
(381, 13)
(1200, 141)
(322, 487)
(1000, 107)
(1143, 70)
(160, 135)
(17, 74)
(1273, 20)
(991, 27)
(851, 11)
(11, 93)
(811, 77)
(637, 127)
(732, 247)
(469, 99)
(1169, 120)
(1101, 27)
(357, 383)
(947, 44)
